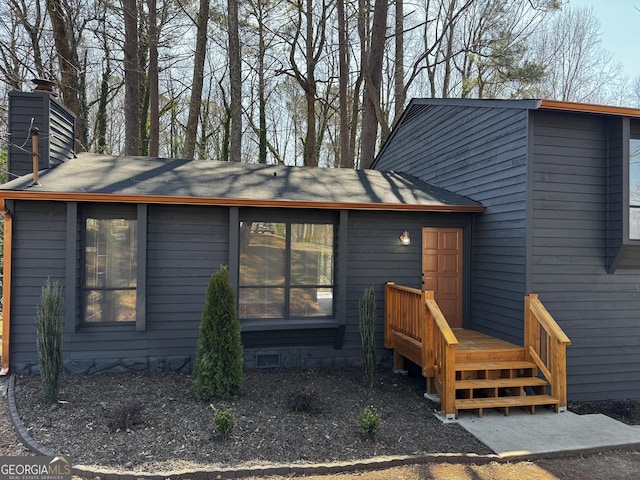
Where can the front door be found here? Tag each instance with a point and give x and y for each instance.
(442, 270)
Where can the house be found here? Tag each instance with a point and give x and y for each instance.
(134, 241)
(560, 183)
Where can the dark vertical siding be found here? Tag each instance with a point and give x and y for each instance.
(479, 152)
(600, 312)
(38, 253)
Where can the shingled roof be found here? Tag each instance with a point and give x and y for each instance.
(106, 178)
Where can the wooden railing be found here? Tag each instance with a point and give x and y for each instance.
(402, 312)
(415, 314)
(546, 345)
(444, 344)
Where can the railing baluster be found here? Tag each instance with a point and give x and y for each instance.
(545, 342)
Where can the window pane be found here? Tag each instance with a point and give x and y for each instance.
(109, 306)
(262, 253)
(261, 303)
(634, 223)
(110, 253)
(311, 254)
(634, 172)
(311, 302)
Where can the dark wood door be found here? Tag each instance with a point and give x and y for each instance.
(442, 270)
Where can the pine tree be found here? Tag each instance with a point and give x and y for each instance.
(218, 369)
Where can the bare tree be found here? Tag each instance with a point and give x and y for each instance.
(21, 56)
(197, 81)
(346, 158)
(399, 91)
(235, 79)
(578, 67)
(313, 40)
(67, 31)
(372, 69)
(154, 94)
(131, 78)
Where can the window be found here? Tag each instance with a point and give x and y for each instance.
(286, 270)
(110, 270)
(634, 189)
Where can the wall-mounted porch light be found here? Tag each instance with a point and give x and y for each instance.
(405, 239)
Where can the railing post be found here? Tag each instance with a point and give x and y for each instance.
(559, 373)
(529, 326)
(428, 337)
(449, 382)
(389, 307)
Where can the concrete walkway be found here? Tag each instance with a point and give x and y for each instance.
(549, 434)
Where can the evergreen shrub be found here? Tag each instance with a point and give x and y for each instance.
(367, 334)
(219, 358)
(49, 339)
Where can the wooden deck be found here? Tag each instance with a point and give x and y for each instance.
(476, 346)
(469, 370)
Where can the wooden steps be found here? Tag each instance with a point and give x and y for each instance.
(500, 384)
(528, 402)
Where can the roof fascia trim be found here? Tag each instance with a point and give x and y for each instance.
(588, 108)
(233, 202)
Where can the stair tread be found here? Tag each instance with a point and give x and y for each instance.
(501, 382)
(516, 401)
(504, 365)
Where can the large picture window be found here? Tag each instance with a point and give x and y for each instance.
(286, 270)
(110, 270)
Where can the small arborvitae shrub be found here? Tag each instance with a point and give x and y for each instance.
(49, 339)
(223, 420)
(369, 420)
(219, 357)
(124, 417)
(367, 307)
(306, 401)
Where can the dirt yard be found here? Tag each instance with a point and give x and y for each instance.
(137, 422)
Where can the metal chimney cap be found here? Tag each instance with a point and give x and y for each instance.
(44, 85)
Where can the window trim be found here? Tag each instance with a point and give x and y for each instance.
(289, 321)
(630, 132)
(76, 216)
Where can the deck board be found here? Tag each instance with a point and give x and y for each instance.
(472, 340)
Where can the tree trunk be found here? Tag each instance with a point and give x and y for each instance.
(346, 159)
(373, 79)
(399, 62)
(70, 68)
(310, 157)
(131, 79)
(262, 100)
(197, 82)
(154, 97)
(235, 80)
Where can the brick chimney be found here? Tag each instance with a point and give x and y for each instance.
(39, 109)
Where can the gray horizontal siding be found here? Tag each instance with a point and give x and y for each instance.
(572, 198)
(38, 253)
(375, 256)
(480, 153)
(56, 131)
(185, 247)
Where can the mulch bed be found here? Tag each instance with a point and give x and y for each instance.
(154, 422)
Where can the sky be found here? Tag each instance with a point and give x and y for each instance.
(620, 27)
